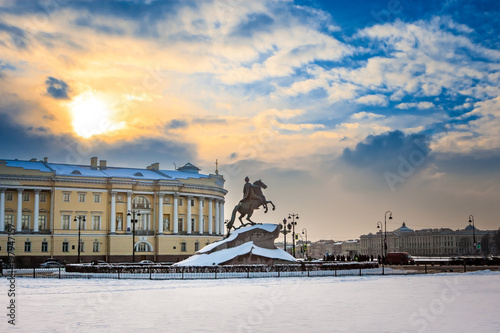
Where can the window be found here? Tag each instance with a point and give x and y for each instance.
(43, 197)
(192, 224)
(180, 224)
(81, 197)
(65, 246)
(180, 202)
(45, 246)
(81, 219)
(95, 246)
(26, 221)
(9, 220)
(97, 198)
(196, 246)
(66, 196)
(66, 222)
(192, 202)
(143, 247)
(140, 202)
(82, 247)
(183, 247)
(8, 196)
(27, 246)
(142, 222)
(96, 222)
(26, 196)
(42, 222)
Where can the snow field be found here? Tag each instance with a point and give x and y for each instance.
(451, 302)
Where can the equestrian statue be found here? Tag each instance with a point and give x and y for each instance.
(253, 198)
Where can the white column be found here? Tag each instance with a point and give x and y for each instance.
(217, 217)
(129, 209)
(112, 218)
(200, 215)
(19, 219)
(189, 229)
(221, 215)
(160, 212)
(176, 214)
(2, 209)
(36, 212)
(210, 221)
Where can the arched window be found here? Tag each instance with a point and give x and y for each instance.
(143, 247)
(141, 201)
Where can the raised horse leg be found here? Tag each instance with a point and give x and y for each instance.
(271, 204)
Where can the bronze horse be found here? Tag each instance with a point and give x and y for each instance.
(253, 202)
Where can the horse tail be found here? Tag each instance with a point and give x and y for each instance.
(233, 217)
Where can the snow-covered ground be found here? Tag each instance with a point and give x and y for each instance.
(450, 302)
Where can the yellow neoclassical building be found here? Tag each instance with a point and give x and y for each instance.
(119, 214)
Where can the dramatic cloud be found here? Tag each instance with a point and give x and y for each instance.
(333, 95)
(57, 88)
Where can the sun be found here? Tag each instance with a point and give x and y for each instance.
(92, 115)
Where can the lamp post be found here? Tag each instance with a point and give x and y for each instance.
(304, 232)
(385, 235)
(133, 213)
(471, 220)
(285, 229)
(293, 223)
(79, 219)
(379, 225)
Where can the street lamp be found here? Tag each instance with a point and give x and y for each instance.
(79, 219)
(471, 220)
(133, 213)
(293, 223)
(304, 231)
(285, 229)
(379, 225)
(385, 235)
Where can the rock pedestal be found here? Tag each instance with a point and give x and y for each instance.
(245, 246)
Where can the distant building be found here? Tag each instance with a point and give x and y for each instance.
(430, 242)
(177, 211)
(323, 247)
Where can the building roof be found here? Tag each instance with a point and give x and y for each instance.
(73, 170)
(404, 228)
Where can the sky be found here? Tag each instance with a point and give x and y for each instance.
(345, 110)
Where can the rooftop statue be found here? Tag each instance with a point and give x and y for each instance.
(253, 198)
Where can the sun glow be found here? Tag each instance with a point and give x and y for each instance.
(92, 115)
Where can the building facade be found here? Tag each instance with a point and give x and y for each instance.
(118, 214)
(431, 242)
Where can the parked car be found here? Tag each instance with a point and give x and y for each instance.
(100, 263)
(399, 258)
(52, 263)
(146, 262)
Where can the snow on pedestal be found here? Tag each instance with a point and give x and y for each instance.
(245, 246)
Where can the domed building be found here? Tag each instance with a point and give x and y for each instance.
(118, 214)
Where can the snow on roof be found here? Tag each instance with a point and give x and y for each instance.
(67, 170)
(222, 256)
(28, 165)
(133, 173)
(88, 171)
(182, 175)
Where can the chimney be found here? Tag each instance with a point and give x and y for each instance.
(33, 160)
(45, 159)
(148, 167)
(93, 163)
(155, 166)
(102, 164)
